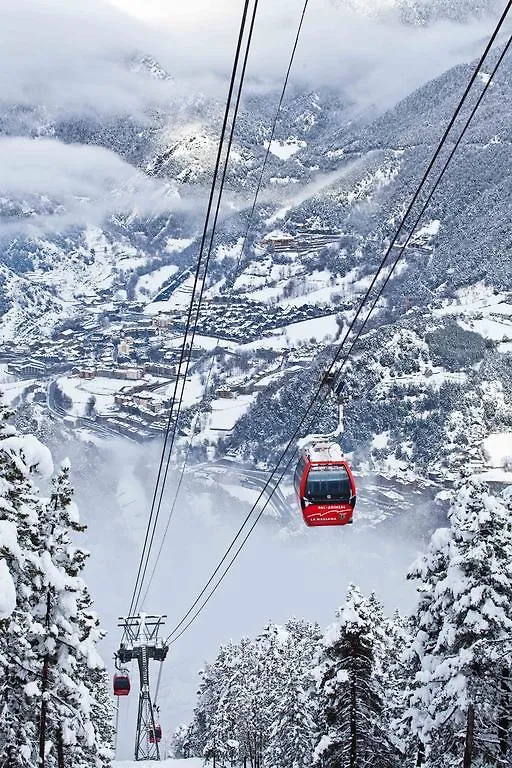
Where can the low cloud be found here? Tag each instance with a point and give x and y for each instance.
(375, 60)
(67, 58)
(58, 186)
(74, 57)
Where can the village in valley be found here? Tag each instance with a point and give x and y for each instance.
(113, 368)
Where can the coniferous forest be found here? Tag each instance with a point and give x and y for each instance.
(55, 705)
(432, 689)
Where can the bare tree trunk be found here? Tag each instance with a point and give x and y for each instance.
(42, 717)
(504, 711)
(421, 754)
(353, 723)
(60, 749)
(251, 756)
(470, 735)
(44, 681)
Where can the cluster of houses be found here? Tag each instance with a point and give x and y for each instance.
(142, 403)
(123, 343)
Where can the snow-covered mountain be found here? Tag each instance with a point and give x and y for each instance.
(117, 224)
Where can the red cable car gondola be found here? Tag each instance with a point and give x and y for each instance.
(325, 486)
(156, 735)
(121, 684)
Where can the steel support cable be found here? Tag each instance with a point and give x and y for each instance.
(196, 278)
(318, 391)
(272, 132)
(194, 324)
(237, 267)
(175, 499)
(427, 202)
(190, 323)
(232, 561)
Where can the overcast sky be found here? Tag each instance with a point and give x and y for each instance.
(72, 55)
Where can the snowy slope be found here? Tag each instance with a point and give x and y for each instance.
(192, 762)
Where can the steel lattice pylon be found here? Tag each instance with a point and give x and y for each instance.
(142, 643)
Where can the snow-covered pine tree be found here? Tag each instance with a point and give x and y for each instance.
(352, 721)
(214, 730)
(254, 705)
(265, 689)
(78, 716)
(54, 696)
(226, 721)
(391, 673)
(180, 742)
(399, 669)
(95, 678)
(464, 627)
(429, 570)
(19, 538)
(241, 689)
(292, 733)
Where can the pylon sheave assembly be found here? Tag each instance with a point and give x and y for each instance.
(142, 643)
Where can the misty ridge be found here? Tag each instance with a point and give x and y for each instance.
(95, 189)
(83, 83)
(121, 141)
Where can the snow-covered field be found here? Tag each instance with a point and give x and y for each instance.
(11, 389)
(149, 285)
(293, 335)
(193, 392)
(176, 245)
(497, 453)
(497, 450)
(192, 762)
(285, 149)
(103, 389)
(226, 412)
(319, 328)
(180, 299)
(207, 343)
(484, 311)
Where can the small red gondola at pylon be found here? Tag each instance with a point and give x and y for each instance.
(325, 485)
(121, 684)
(156, 735)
